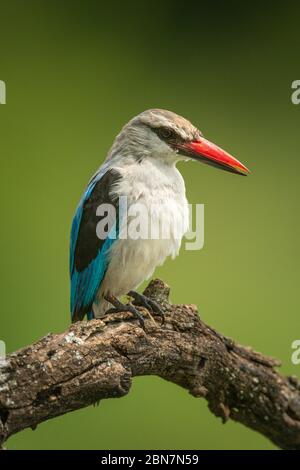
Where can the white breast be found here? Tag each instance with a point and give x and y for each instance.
(160, 189)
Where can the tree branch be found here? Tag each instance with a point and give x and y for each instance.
(97, 359)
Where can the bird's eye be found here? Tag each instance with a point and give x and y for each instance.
(165, 133)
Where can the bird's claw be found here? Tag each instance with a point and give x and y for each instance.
(119, 307)
(149, 304)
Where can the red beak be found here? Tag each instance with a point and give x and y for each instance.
(209, 153)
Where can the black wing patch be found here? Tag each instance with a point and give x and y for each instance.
(88, 243)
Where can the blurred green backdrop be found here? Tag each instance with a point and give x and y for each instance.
(76, 71)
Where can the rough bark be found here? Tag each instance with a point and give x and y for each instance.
(98, 359)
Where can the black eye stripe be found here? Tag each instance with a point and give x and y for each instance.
(167, 135)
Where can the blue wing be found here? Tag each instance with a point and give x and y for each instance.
(88, 253)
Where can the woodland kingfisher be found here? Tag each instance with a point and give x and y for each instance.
(140, 168)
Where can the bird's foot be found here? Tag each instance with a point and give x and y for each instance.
(119, 307)
(149, 304)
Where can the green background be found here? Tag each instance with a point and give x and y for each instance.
(76, 71)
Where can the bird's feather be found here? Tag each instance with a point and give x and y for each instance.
(88, 252)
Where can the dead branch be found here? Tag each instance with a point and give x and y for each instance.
(98, 359)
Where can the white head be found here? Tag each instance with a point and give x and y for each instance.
(164, 135)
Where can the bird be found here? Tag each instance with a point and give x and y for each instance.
(140, 168)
